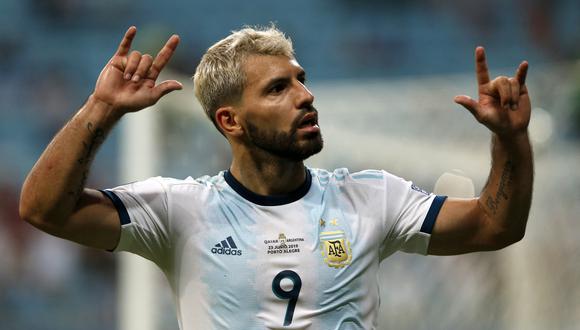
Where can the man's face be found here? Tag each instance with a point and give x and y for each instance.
(277, 112)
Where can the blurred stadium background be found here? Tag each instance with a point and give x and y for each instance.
(384, 74)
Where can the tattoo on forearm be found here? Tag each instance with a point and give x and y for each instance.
(493, 202)
(96, 137)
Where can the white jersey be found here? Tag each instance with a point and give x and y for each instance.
(306, 260)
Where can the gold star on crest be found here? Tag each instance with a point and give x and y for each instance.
(322, 222)
(334, 222)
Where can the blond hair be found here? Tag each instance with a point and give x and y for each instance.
(219, 78)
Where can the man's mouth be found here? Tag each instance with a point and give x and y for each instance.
(310, 120)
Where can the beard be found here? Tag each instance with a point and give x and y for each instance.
(284, 145)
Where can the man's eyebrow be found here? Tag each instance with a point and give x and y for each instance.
(275, 81)
(284, 80)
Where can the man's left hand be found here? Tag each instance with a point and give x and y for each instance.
(504, 104)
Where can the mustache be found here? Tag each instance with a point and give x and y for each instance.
(310, 108)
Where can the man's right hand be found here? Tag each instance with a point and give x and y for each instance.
(128, 81)
(54, 197)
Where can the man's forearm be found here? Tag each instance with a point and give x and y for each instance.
(506, 198)
(53, 186)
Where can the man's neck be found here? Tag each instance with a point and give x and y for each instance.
(273, 177)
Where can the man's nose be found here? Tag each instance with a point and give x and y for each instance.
(305, 98)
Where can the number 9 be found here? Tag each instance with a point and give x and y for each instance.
(291, 295)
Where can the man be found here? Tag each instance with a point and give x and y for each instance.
(270, 243)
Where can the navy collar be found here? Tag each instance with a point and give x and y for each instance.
(271, 200)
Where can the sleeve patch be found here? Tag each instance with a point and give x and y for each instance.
(123, 214)
(432, 214)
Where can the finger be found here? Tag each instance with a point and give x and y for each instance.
(503, 88)
(163, 57)
(165, 88)
(468, 103)
(125, 44)
(515, 90)
(522, 72)
(143, 67)
(481, 66)
(132, 63)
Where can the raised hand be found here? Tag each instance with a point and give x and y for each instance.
(504, 104)
(128, 81)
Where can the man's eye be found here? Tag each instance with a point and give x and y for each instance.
(277, 88)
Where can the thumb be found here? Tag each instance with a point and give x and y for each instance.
(166, 87)
(468, 103)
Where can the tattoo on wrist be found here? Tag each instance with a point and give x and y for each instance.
(493, 202)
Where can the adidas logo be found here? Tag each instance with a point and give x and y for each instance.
(227, 247)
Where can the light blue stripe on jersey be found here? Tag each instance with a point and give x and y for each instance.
(368, 174)
(228, 310)
(341, 287)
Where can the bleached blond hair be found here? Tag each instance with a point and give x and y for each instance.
(220, 79)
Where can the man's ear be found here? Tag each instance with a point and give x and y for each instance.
(227, 120)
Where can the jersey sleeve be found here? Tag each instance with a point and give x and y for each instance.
(142, 208)
(410, 216)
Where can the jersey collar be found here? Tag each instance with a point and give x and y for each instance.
(269, 200)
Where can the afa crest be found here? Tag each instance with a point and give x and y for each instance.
(335, 248)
